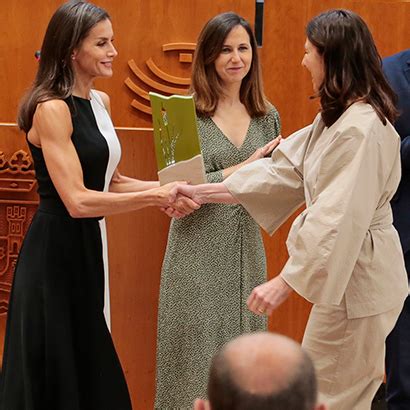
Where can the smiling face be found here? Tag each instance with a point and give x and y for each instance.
(313, 61)
(95, 55)
(235, 58)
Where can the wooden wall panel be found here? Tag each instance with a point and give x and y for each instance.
(137, 240)
(288, 86)
(136, 273)
(141, 28)
(23, 24)
(136, 248)
(18, 203)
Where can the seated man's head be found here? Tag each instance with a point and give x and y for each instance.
(259, 371)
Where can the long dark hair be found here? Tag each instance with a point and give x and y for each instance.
(206, 85)
(352, 64)
(67, 28)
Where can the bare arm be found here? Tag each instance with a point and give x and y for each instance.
(121, 183)
(207, 193)
(52, 129)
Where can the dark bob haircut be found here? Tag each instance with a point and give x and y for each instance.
(352, 64)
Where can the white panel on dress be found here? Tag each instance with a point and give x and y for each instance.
(106, 128)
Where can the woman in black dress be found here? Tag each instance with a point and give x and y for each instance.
(58, 351)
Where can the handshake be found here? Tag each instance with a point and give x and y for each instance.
(179, 199)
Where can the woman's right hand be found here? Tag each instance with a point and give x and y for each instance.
(174, 202)
(190, 191)
(165, 195)
(265, 150)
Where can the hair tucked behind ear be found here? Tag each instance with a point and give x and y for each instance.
(67, 28)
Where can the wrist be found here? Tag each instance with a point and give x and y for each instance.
(284, 283)
(154, 197)
(205, 193)
(200, 197)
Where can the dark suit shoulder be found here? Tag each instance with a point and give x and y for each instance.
(398, 59)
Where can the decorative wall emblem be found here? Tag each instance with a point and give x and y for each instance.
(18, 204)
(169, 84)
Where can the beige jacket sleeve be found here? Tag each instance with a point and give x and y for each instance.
(326, 239)
(271, 189)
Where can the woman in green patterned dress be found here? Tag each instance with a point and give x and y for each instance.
(215, 257)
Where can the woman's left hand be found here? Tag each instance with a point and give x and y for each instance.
(264, 151)
(268, 296)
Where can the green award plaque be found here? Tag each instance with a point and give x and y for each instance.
(177, 146)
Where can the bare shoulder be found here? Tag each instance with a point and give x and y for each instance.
(105, 99)
(54, 107)
(51, 118)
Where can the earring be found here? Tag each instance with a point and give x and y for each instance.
(72, 57)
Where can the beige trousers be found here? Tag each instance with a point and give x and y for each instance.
(348, 354)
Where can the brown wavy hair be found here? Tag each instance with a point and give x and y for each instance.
(68, 27)
(206, 85)
(352, 64)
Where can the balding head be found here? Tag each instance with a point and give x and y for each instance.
(261, 363)
(262, 371)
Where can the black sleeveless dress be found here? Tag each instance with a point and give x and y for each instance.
(58, 352)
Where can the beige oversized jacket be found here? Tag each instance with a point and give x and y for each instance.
(343, 244)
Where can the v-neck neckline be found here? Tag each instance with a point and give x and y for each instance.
(228, 139)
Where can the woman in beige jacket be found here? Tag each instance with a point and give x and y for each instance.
(344, 253)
